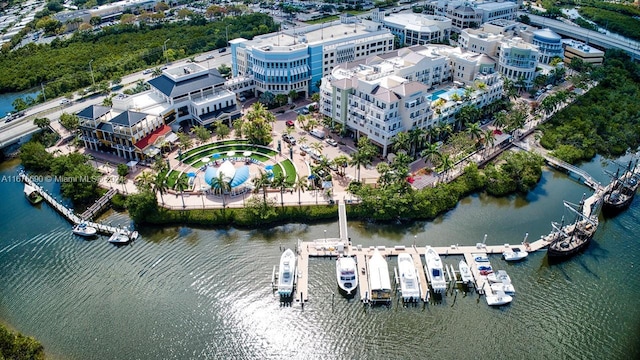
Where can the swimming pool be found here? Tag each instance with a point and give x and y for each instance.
(437, 94)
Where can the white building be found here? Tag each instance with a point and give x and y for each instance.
(480, 41)
(415, 29)
(518, 60)
(471, 14)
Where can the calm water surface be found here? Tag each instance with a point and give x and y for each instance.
(183, 293)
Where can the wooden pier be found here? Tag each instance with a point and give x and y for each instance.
(70, 215)
(97, 207)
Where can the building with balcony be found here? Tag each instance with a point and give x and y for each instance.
(395, 92)
(518, 61)
(297, 59)
(415, 29)
(549, 45)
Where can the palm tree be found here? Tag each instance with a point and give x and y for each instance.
(415, 137)
(475, 131)
(303, 140)
(301, 185)
(280, 182)
(447, 164)
(302, 120)
(156, 72)
(220, 183)
(317, 146)
(341, 162)
(500, 119)
(359, 159)
(489, 139)
(261, 182)
(182, 184)
(401, 141)
(144, 180)
(431, 152)
(160, 184)
(293, 95)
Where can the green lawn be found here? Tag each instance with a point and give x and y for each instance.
(289, 169)
(323, 20)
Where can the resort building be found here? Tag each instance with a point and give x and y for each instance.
(579, 50)
(415, 29)
(518, 61)
(395, 92)
(297, 59)
(126, 134)
(471, 14)
(480, 41)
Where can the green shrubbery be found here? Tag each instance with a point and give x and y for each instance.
(17, 346)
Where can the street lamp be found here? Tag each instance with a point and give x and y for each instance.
(164, 49)
(226, 31)
(93, 80)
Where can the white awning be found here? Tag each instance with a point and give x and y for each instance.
(171, 138)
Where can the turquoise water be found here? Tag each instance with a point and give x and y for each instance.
(6, 100)
(191, 293)
(436, 94)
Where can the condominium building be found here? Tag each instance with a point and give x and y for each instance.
(471, 14)
(395, 92)
(480, 41)
(518, 61)
(296, 59)
(415, 29)
(549, 45)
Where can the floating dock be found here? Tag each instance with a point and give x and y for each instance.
(70, 215)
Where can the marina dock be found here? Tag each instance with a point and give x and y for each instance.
(69, 214)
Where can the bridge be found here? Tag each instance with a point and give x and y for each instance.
(583, 176)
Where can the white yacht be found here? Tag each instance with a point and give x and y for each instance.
(506, 288)
(85, 230)
(435, 273)
(514, 254)
(498, 298)
(465, 272)
(286, 273)
(499, 277)
(379, 282)
(409, 284)
(119, 238)
(346, 274)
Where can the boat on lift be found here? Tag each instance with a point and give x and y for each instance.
(498, 298)
(465, 273)
(505, 287)
(409, 284)
(286, 273)
(379, 281)
(435, 271)
(499, 276)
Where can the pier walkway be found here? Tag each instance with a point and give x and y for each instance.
(98, 205)
(69, 214)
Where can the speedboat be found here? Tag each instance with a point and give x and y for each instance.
(286, 273)
(506, 288)
(480, 257)
(465, 272)
(85, 230)
(485, 268)
(498, 298)
(499, 277)
(409, 285)
(119, 238)
(346, 274)
(379, 282)
(514, 254)
(435, 273)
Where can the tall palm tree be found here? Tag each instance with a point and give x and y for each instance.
(431, 152)
(261, 182)
(317, 146)
(475, 131)
(144, 180)
(489, 139)
(301, 185)
(182, 184)
(415, 137)
(401, 141)
(500, 119)
(447, 163)
(280, 182)
(359, 159)
(160, 184)
(221, 184)
(341, 162)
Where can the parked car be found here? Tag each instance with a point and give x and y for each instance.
(242, 99)
(290, 123)
(222, 50)
(305, 148)
(64, 101)
(289, 139)
(331, 142)
(209, 57)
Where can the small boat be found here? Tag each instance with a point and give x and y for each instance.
(498, 298)
(119, 238)
(379, 281)
(486, 272)
(514, 254)
(485, 268)
(435, 273)
(32, 194)
(465, 272)
(480, 258)
(286, 273)
(85, 230)
(346, 274)
(500, 276)
(409, 285)
(506, 288)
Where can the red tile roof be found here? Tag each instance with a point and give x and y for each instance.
(153, 137)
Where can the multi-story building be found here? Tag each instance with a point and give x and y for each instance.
(579, 50)
(107, 131)
(471, 14)
(518, 61)
(415, 29)
(549, 45)
(480, 41)
(497, 10)
(296, 59)
(395, 92)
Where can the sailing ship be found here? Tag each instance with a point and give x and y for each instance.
(570, 239)
(622, 190)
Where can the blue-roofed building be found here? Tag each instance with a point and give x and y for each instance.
(296, 59)
(549, 45)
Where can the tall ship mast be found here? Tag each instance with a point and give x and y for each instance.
(571, 238)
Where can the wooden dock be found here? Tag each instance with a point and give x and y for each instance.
(69, 214)
(97, 207)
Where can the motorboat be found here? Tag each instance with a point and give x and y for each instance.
(485, 268)
(498, 298)
(480, 257)
(434, 271)
(499, 276)
(465, 273)
(506, 288)
(379, 281)
(346, 274)
(409, 284)
(286, 273)
(32, 194)
(514, 254)
(85, 230)
(119, 238)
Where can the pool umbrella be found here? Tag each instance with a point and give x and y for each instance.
(246, 153)
(231, 153)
